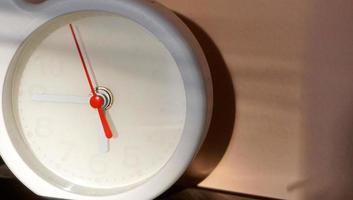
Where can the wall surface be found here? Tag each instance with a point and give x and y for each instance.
(291, 66)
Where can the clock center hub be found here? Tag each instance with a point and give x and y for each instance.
(103, 99)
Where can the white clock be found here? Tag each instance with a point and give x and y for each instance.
(100, 99)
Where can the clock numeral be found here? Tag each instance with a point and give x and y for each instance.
(67, 151)
(54, 70)
(36, 89)
(42, 128)
(131, 157)
(97, 164)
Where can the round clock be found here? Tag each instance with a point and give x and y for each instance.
(100, 99)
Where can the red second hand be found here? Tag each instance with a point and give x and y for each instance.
(96, 101)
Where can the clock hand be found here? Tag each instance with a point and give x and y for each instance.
(103, 141)
(53, 98)
(96, 101)
(73, 99)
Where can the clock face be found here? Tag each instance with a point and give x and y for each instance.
(64, 133)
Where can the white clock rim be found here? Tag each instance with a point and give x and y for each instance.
(184, 48)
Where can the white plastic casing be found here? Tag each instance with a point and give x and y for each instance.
(19, 19)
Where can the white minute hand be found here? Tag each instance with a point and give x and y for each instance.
(53, 98)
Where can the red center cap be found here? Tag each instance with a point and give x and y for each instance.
(96, 101)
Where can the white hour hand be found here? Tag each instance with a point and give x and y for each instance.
(51, 98)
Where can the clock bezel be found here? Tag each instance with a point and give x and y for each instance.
(183, 47)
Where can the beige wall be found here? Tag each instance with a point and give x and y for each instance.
(291, 66)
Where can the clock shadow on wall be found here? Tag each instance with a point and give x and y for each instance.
(214, 147)
(221, 127)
